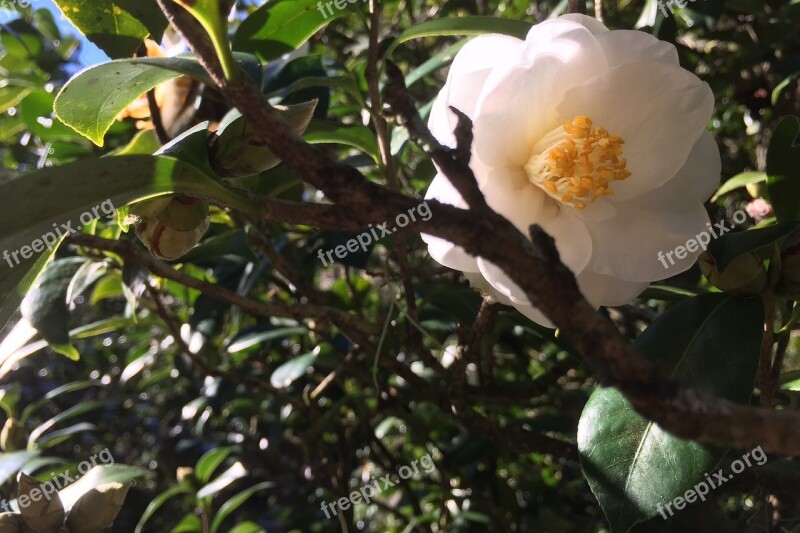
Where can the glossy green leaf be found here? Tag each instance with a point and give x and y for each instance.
(11, 463)
(471, 25)
(209, 462)
(247, 527)
(58, 196)
(234, 503)
(67, 414)
(45, 305)
(711, 343)
(757, 240)
(91, 101)
(160, 500)
(289, 371)
(783, 169)
(117, 27)
(281, 26)
(236, 471)
(55, 393)
(739, 181)
(359, 137)
(254, 339)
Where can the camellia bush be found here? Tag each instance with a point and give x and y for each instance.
(400, 266)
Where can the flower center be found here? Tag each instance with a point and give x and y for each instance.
(575, 163)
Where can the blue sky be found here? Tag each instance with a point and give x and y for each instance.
(88, 54)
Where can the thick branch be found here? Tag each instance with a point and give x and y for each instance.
(535, 267)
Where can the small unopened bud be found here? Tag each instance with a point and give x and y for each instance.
(11, 523)
(39, 505)
(14, 436)
(97, 509)
(174, 229)
(744, 275)
(184, 473)
(237, 150)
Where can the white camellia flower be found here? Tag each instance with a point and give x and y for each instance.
(597, 136)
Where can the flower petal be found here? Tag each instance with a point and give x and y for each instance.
(518, 104)
(631, 46)
(468, 73)
(659, 110)
(445, 252)
(637, 244)
(700, 176)
(602, 290)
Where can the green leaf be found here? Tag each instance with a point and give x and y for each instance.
(234, 503)
(117, 27)
(471, 25)
(359, 137)
(91, 101)
(209, 462)
(783, 169)
(161, 499)
(69, 387)
(45, 305)
(72, 412)
(236, 471)
(254, 339)
(11, 463)
(289, 371)
(739, 181)
(757, 240)
(711, 343)
(280, 26)
(54, 196)
(444, 57)
(344, 83)
(248, 527)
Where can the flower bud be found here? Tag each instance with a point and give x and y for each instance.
(237, 150)
(97, 509)
(174, 229)
(184, 473)
(744, 275)
(14, 436)
(10, 523)
(39, 505)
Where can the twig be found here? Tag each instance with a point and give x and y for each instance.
(576, 6)
(533, 264)
(155, 117)
(129, 251)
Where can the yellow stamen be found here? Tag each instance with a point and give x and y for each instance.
(575, 163)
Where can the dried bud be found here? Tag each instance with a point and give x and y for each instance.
(11, 523)
(184, 473)
(175, 228)
(744, 275)
(39, 505)
(97, 509)
(14, 436)
(237, 150)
